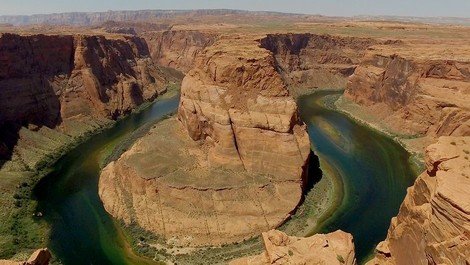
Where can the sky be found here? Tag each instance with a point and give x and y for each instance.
(449, 8)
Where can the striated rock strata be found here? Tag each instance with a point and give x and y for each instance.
(414, 94)
(433, 225)
(178, 49)
(316, 61)
(333, 248)
(67, 84)
(233, 167)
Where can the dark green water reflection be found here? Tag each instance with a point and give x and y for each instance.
(375, 172)
(82, 231)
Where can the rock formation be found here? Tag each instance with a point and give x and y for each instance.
(414, 94)
(316, 61)
(235, 99)
(232, 168)
(70, 83)
(39, 257)
(433, 225)
(333, 248)
(178, 49)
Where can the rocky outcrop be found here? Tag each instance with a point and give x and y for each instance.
(178, 49)
(332, 248)
(236, 100)
(39, 257)
(432, 226)
(232, 167)
(64, 81)
(316, 61)
(414, 95)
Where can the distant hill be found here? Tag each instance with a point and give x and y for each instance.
(96, 18)
(427, 20)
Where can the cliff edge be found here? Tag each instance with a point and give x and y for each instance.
(432, 226)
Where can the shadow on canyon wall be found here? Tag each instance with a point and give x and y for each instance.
(29, 70)
(314, 173)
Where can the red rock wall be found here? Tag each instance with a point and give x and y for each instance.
(46, 79)
(178, 49)
(414, 96)
(310, 60)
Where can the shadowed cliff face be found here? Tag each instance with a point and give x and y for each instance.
(309, 60)
(45, 80)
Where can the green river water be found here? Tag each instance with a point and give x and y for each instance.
(374, 170)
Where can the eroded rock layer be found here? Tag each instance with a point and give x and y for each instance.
(333, 248)
(231, 168)
(414, 95)
(178, 49)
(316, 61)
(432, 226)
(70, 83)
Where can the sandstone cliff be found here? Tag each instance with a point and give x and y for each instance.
(39, 257)
(414, 95)
(334, 248)
(316, 61)
(432, 226)
(178, 49)
(234, 166)
(69, 84)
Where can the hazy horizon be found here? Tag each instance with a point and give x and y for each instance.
(419, 8)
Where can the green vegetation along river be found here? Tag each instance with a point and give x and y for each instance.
(82, 232)
(374, 172)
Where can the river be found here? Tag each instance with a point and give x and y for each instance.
(82, 232)
(374, 172)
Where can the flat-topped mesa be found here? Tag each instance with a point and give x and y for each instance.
(234, 165)
(236, 100)
(432, 226)
(414, 94)
(335, 248)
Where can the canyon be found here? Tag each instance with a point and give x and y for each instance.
(233, 163)
(68, 86)
(231, 184)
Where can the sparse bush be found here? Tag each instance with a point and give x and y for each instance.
(340, 259)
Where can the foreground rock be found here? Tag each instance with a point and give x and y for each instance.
(433, 225)
(39, 257)
(331, 249)
(234, 167)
